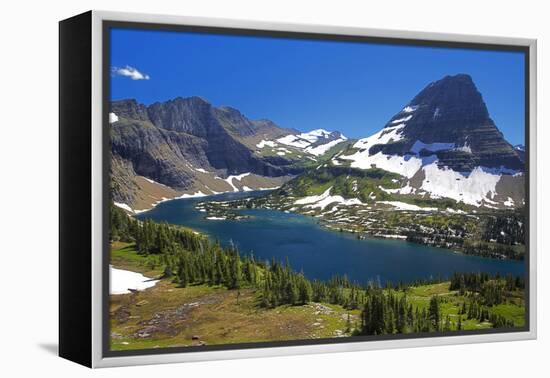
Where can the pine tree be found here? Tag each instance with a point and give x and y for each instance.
(183, 276)
(434, 312)
(291, 292)
(305, 290)
(447, 326)
(235, 273)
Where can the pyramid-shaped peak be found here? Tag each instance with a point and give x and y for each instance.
(457, 80)
(451, 112)
(462, 82)
(450, 98)
(458, 77)
(451, 89)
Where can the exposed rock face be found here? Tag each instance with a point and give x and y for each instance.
(155, 153)
(187, 143)
(189, 115)
(452, 111)
(130, 109)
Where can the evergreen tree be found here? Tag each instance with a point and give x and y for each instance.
(183, 274)
(447, 326)
(434, 312)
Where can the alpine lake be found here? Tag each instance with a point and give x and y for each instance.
(321, 253)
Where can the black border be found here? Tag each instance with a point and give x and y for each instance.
(107, 25)
(75, 189)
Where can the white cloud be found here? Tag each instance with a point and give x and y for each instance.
(130, 72)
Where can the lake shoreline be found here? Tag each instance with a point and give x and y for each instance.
(218, 210)
(272, 233)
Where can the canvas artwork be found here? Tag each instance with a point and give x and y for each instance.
(279, 190)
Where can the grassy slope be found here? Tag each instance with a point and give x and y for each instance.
(172, 316)
(301, 159)
(215, 314)
(367, 183)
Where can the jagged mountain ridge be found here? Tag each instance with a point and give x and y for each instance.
(443, 144)
(190, 146)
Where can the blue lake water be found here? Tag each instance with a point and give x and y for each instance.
(321, 253)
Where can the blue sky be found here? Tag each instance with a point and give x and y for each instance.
(350, 87)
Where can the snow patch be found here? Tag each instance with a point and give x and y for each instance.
(320, 150)
(264, 143)
(389, 236)
(384, 136)
(404, 165)
(407, 206)
(509, 202)
(453, 211)
(113, 118)
(306, 140)
(124, 206)
(409, 109)
(325, 199)
(230, 179)
(120, 281)
(313, 199)
(401, 120)
(335, 199)
(333, 210)
(470, 189)
(465, 148)
(433, 147)
(193, 195)
(294, 141)
(149, 180)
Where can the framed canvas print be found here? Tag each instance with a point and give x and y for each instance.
(237, 189)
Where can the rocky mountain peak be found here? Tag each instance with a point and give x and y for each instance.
(450, 103)
(130, 109)
(449, 118)
(191, 115)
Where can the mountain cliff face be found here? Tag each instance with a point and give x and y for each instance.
(445, 145)
(192, 147)
(450, 118)
(188, 130)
